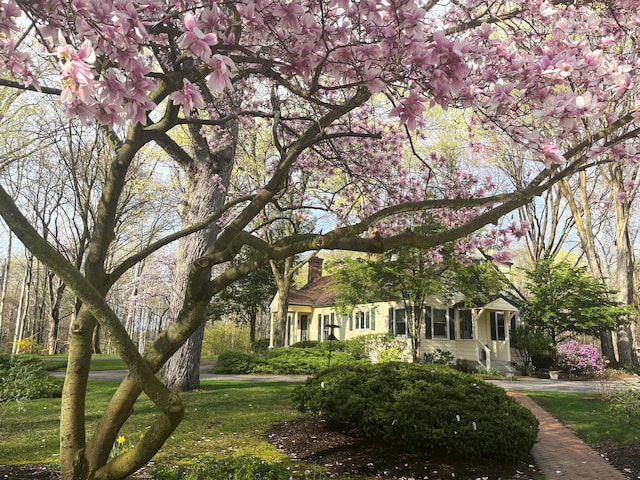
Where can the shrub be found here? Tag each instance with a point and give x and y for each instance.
(29, 345)
(300, 361)
(261, 345)
(236, 362)
(626, 402)
(578, 358)
(225, 336)
(376, 347)
(281, 361)
(306, 344)
(392, 354)
(416, 407)
(24, 378)
(440, 357)
(466, 366)
(542, 361)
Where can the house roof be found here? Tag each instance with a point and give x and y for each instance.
(318, 292)
(498, 303)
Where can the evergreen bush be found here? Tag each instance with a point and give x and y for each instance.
(236, 362)
(261, 345)
(427, 408)
(306, 344)
(301, 361)
(24, 378)
(282, 361)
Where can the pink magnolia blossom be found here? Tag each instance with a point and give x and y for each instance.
(622, 196)
(220, 77)
(189, 97)
(410, 109)
(198, 42)
(552, 155)
(76, 72)
(289, 14)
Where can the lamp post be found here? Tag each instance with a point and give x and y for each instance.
(331, 337)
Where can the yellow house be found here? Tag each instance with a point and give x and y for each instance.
(479, 336)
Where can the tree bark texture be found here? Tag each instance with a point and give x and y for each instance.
(205, 196)
(284, 281)
(5, 284)
(625, 268)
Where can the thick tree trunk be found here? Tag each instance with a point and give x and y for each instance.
(284, 281)
(182, 371)
(209, 175)
(625, 268)
(586, 232)
(607, 347)
(72, 420)
(280, 318)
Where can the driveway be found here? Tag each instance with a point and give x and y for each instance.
(520, 384)
(205, 374)
(524, 384)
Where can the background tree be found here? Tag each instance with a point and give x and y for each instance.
(406, 275)
(563, 300)
(246, 299)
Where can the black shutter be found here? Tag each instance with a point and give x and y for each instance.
(452, 324)
(494, 330)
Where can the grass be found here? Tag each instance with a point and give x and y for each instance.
(98, 362)
(590, 417)
(223, 417)
(232, 417)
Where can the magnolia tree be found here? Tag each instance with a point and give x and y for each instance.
(343, 86)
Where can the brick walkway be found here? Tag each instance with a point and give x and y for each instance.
(560, 454)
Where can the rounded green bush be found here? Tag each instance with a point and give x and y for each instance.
(300, 361)
(427, 408)
(236, 362)
(306, 344)
(24, 378)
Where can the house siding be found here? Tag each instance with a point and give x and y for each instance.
(379, 318)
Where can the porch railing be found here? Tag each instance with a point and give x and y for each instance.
(487, 355)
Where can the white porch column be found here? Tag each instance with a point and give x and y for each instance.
(294, 328)
(271, 331)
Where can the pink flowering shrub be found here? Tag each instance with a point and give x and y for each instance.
(575, 357)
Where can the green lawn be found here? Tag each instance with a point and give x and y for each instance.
(220, 418)
(98, 362)
(589, 417)
(233, 416)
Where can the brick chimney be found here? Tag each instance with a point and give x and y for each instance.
(315, 269)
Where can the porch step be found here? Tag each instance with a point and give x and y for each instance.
(503, 366)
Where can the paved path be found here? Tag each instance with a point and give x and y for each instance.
(560, 454)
